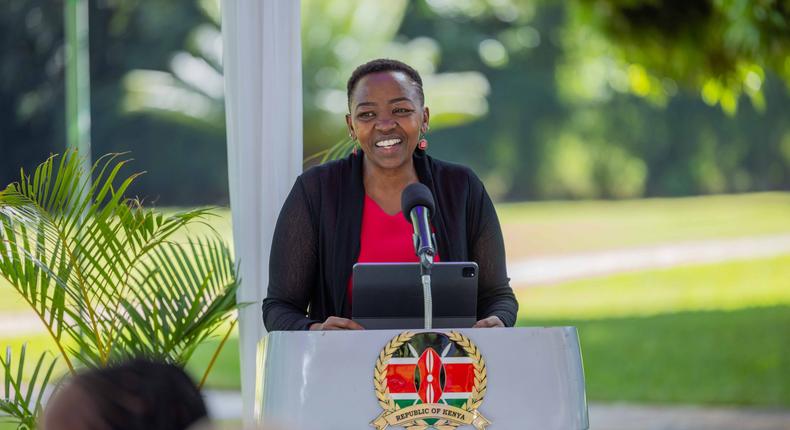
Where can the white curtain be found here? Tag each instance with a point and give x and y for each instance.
(263, 102)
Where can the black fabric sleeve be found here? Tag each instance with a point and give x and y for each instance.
(293, 264)
(487, 248)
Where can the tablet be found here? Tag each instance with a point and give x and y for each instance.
(389, 295)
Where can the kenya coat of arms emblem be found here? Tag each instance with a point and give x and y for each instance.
(430, 380)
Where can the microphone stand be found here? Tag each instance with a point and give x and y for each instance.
(426, 264)
(424, 245)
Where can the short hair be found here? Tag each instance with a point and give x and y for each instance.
(143, 395)
(384, 65)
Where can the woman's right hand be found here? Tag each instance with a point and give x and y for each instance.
(337, 323)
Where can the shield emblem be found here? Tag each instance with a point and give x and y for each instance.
(430, 366)
(430, 379)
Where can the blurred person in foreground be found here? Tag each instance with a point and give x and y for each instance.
(136, 395)
(349, 211)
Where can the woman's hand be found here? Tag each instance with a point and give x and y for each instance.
(492, 321)
(337, 323)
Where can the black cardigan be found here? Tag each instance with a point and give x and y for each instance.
(316, 241)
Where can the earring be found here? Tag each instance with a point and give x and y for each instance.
(422, 144)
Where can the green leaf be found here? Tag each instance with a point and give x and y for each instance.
(22, 400)
(102, 272)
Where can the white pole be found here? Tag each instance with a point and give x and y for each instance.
(263, 102)
(78, 82)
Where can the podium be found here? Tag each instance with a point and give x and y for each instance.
(497, 378)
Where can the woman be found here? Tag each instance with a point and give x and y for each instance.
(347, 211)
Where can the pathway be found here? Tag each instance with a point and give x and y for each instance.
(554, 269)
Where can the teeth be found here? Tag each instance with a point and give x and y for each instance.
(387, 143)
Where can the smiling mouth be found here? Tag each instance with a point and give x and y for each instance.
(387, 143)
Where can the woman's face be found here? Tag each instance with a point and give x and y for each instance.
(387, 118)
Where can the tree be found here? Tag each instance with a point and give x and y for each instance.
(722, 48)
(569, 118)
(31, 84)
(336, 37)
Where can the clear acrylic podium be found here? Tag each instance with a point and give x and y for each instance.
(504, 378)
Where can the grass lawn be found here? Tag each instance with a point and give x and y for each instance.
(226, 372)
(545, 228)
(714, 334)
(719, 287)
(731, 357)
(10, 300)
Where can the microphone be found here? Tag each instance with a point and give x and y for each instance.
(416, 201)
(418, 208)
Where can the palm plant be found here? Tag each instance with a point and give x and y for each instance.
(105, 276)
(21, 404)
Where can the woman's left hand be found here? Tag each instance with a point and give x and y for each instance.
(492, 321)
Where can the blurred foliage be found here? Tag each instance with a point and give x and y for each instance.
(721, 47)
(570, 118)
(337, 36)
(191, 92)
(580, 99)
(32, 101)
(124, 36)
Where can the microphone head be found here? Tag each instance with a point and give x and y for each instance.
(416, 194)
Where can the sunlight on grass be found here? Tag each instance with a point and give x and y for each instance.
(733, 357)
(219, 221)
(36, 345)
(724, 286)
(226, 373)
(543, 228)
(10, 300)
(711, 334)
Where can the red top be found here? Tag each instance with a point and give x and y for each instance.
(384, 238)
